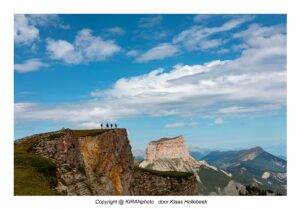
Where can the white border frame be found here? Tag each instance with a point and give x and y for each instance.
(8, 201)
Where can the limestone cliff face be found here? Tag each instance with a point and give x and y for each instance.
(167, 148)
(109, 157)
(100, 162)
(171, 155)
(96, 164)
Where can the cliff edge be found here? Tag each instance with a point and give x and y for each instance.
(89, 162)
(167, 148)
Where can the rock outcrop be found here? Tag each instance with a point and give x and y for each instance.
(96, 164)
(171, 155)
(149, 182)
(167, 148)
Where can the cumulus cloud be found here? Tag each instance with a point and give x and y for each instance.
(25, 33)
(158, 52)
(85, 48)
(253, 83)
(201, 38)
(30, 65)
(26, 30)
(63, 50)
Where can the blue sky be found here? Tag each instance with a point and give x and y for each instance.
(219, 80)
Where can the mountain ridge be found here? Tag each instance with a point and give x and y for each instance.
(253, 166)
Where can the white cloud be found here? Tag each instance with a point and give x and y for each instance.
(116, 30)
(182, 124)
(199, 37)
(88, 125)
(212, 43)
(24, 32)
(158, 52)
(23, 106)
(218, 120)
(85, 48)
(95, 48)
(47, 20)
(29, 66)
(63, 50)
(253, 83)
(132, 53)
(235, 109)
(150, 21)
(174, 125)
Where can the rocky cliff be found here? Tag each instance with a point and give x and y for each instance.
(167, 148)
(89, 162)
(171, 155)
(153, 182)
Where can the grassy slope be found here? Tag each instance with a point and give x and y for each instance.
(212, 180)
(34, 174)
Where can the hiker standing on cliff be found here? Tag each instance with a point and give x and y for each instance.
(116, 125)
(111, 125)
(101, 125)
(107, 126)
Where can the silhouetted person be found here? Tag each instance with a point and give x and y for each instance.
(116, 125)
(111, 125)
(101, 125)
(107, 126)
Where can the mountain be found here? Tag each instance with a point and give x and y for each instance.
(171, 155)
(89, 162)
(253, 167)
(101, 162)
(282, 157)
(198, 153)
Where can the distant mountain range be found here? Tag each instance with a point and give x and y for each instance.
(253, 166)
(199, 153)
(195, 152)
